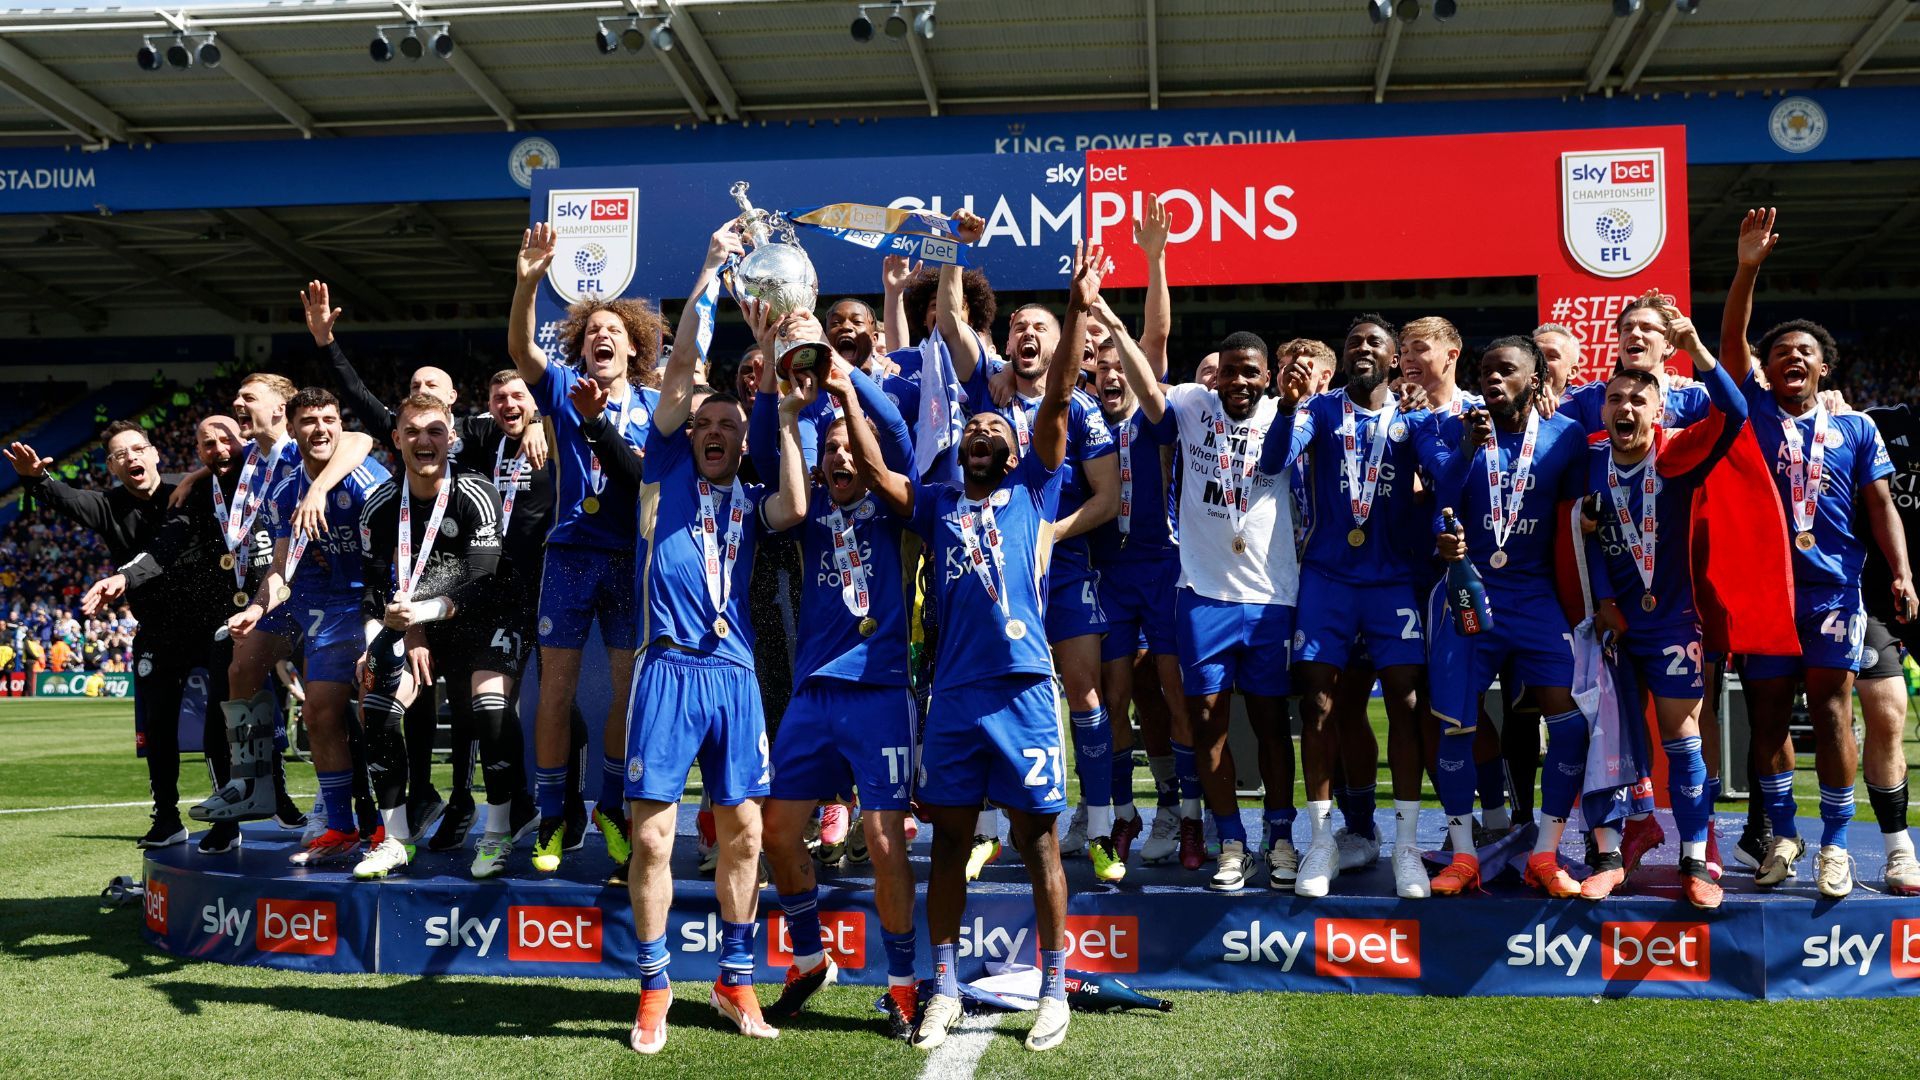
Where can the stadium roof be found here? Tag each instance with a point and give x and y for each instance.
(302, 66)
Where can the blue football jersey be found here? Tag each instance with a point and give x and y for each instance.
(975, 642)
(673, 568)
(1460, 481)
(1685, 405)
(328, 575)
(610, 522)
(829, 642)
(1853, 456)
(1087, 439)
(1143, 493)
(1395, 528)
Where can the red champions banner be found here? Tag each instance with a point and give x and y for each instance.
(1597, 216)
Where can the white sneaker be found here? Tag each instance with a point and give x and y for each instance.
(936, 1020)
(1075, 842)
(1410, 878)
(1903, 873)
(1356, 851)
(391, 855)
(1317, 868)
(1230, 874)
(1833, 871)
(1163, 839)
(1283, 864)
(1049, 1024)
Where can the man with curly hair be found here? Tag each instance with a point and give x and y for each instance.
(589, 561)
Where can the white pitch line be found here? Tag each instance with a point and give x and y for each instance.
(956, 1058)
(111, 805)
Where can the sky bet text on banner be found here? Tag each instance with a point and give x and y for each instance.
(1598, 216)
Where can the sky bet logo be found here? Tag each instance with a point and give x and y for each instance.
(1857, 951)
(1631, 171)
(1350, 948)
(594, 210)
(843, 932)
(304, 927)
(156, 904)
(553, 935)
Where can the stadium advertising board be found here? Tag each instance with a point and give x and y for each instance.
(115, 684)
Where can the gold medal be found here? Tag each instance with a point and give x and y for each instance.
(1239, 546)
(1357, 537)
(720, 627)
(868, 625)
(240, 599)
(1647, 602)
(226, 561)
(1497, 560)
(1016, 629)
(1804, 541)
(591, 505)
(283, 593)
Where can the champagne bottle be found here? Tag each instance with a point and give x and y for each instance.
(1466, 593)
(1086, 990)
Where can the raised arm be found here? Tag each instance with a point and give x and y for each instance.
(951, 298)
(676, 382)
(376, 419)
(895, 272)
(1293, 426)
(1757, 240)
(896, 438)
(787, 506)
(1145, 381)
(536, 254)
(1063, 371)
(895, 488)
(1150, 232)
(87, 508)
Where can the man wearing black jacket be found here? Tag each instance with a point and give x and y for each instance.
(127, 517)
(509, 444)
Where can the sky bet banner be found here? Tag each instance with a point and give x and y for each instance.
(1167, 939)
(1598, 216)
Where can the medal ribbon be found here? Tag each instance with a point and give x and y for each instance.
(1125, 441)
(1235, 471)
(220, 514)
(1805, 467)
(1360, 490)
(1522, 470)
(1642, 538)
(511, 487)
(970, 545)
(617, 423)
(846, 559)
(719, 574)
(407, 576)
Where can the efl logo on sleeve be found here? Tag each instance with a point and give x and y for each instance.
(1367, 948)
(844, 933)
(306, 927)
(1655, 951)
(156, 905)
(555, 935)
(1103, 943)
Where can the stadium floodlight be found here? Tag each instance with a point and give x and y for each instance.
(1625, 8)
(148, 57)
(1407, 10)
(178, 55)
(1687, 7)
(662, 36)
(862, 29)
(1380, 10)
(380, 48)
(210, 53)
(443, 42)
(923, 24)
(410, 46)
(1445, 9)
(606, 40)
(633, 37)
(896, 23)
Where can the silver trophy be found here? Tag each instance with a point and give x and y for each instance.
(777, 272)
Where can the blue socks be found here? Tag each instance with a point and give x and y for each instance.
(613, 788)
(1453, 776)
(653, 963)
(1123, 777)
(1836, 809)
(336, 796)
(899, 957)
(736, 953)
(1490, 778)
(550, 790)
(1566, 763)
(946, 981)
(1230, 827)
(802, 910)
(1713, 793)
(1687, 787)
(1776, 797)
(1053, 974)
(1092, 754)
(1186, 772)
(1356, 808)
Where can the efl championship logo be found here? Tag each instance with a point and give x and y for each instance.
(1797, 125)
(528, 155)
(596, 230)
(1613, 209)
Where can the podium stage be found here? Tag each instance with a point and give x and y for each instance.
(1161, 928)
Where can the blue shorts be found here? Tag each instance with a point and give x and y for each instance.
(1137, 598)
(580, 584)
(686, 708)
(328, 640)
(1529, 636)
(1333, 616)
(1073, 601)
(838, 736)
(998, 740)
(1832, 625)
(1667, 659)
(1228, 645)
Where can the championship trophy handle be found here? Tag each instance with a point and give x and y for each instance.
(752, 221)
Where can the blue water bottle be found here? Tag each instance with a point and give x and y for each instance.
(1466, 593)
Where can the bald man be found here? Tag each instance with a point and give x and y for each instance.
(1561, 350)
(1209, 367)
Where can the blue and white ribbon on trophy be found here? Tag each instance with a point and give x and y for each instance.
(703, 306)
(915, 234)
